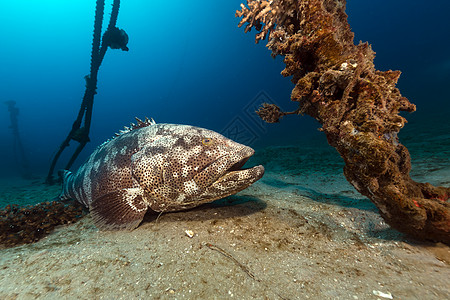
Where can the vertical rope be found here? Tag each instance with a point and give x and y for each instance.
(78, 133)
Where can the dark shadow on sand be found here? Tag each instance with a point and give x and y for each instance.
(229, 207)
(388, 234)
(339, 199)
(336, 199)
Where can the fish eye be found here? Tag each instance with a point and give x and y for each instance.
(207, 141)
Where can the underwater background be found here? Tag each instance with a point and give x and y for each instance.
(300, 232)
(189, 63)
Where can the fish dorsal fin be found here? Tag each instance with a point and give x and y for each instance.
(139, 124)
(126, 129)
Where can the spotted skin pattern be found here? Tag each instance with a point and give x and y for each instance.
(164, 167)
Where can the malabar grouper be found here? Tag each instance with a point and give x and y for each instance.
(164, 167)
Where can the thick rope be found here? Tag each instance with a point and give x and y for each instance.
(78, 133)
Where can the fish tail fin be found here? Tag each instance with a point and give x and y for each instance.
(66, 176)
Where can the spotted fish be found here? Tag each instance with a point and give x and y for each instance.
(164, 167)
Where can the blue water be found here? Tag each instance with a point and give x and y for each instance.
(189, 63)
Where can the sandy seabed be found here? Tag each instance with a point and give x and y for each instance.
(300, 232)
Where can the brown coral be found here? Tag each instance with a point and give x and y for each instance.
(270, 113)
(28, 224)
(357, 105)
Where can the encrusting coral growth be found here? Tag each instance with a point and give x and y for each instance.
(358, 106)
(28, 224)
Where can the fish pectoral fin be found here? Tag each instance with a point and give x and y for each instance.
(121, 209)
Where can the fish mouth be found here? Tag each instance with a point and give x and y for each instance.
(227, 173)
(248, 173)
(238, 166)
(236, 161)
(234, 177)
